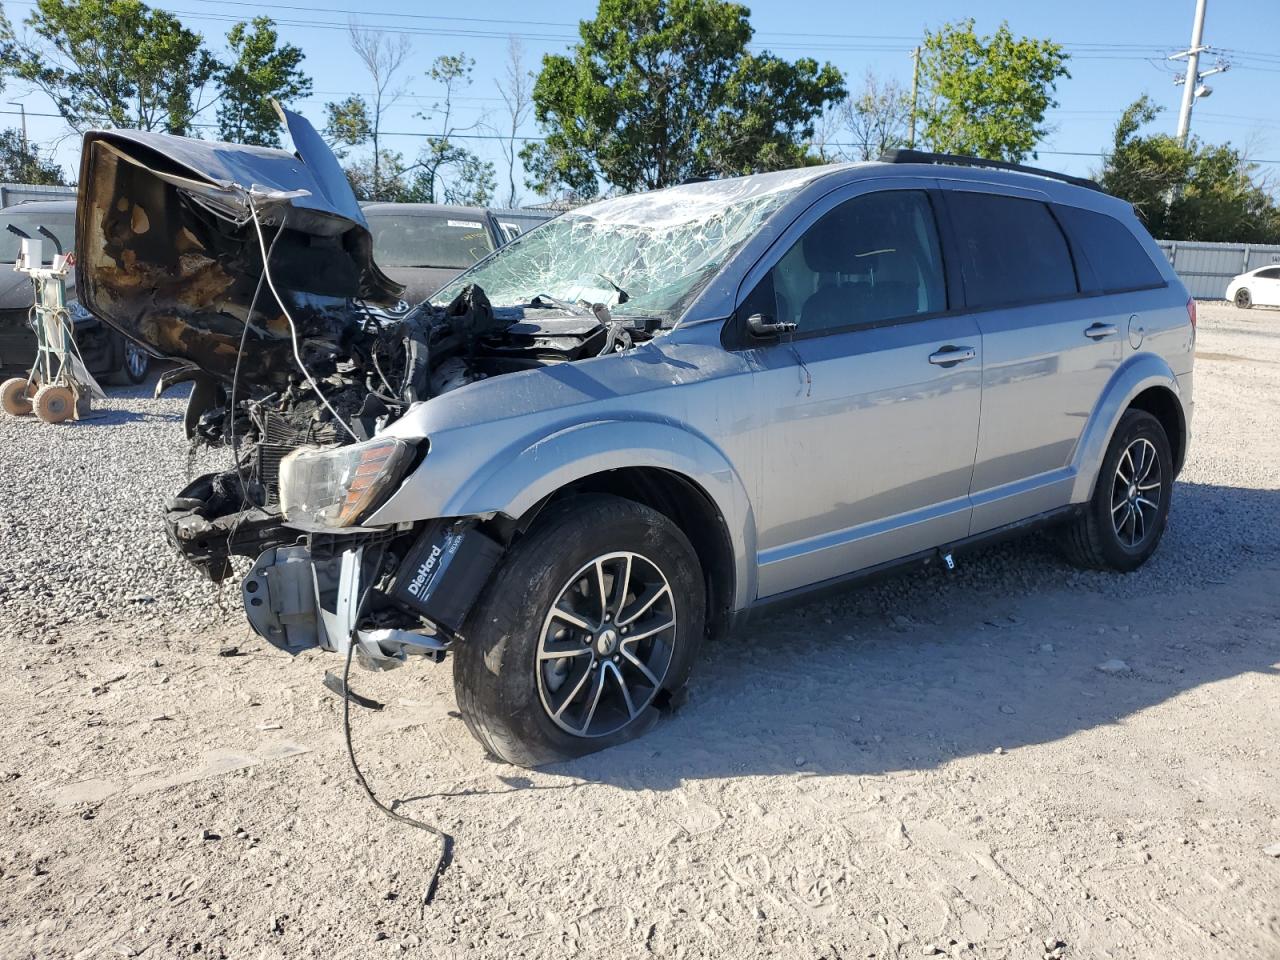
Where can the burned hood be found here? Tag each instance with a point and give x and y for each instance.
(168, 253)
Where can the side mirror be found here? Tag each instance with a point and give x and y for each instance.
(760, 325)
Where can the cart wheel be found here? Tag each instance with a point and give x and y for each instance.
(54, 403)
(15, 396)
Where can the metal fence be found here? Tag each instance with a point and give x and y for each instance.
(11, 193)
(1207, 268)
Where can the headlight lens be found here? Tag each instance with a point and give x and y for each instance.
(336, 487)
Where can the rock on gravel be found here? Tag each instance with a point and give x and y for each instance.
(1113, 666)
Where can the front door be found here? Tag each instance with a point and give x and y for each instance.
(869, 409)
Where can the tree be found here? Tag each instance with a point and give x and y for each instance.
(111, 63)
(445, 166)
(658, 91)
(877, 118)
(987, 96)
(347, 123)
(260, 69)
(517, 94)
(382, 55)
(20, 161)
(1197, 192)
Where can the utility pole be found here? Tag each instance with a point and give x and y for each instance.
(1192, 88)
(915, 87)
(23, 109)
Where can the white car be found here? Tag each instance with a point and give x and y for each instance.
(1260, 286)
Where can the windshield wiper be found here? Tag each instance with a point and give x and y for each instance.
(622, 294)
(538, 299)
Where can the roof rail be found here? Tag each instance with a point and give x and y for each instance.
(956, 160)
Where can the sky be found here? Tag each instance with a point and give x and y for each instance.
(1119, 50)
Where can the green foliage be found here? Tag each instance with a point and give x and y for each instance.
(1197, 192)
(391, 181)
(19, 165)
(987, 96)
(446, 170)
(111, 63)
(261, 69)
(661, 90)
(347, 123)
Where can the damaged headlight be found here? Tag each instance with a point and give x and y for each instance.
(335, 487)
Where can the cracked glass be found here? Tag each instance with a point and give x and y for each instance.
(660, 248)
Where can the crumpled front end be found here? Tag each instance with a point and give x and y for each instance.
(168, 251)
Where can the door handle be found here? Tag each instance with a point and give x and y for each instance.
(949, 356)
(1101, 330)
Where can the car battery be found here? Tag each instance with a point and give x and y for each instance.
(444, 571)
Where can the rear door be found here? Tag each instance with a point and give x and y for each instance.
(869, 412)
(1046, 353)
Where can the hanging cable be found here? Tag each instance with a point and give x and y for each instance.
(446, 841)
(293, 329)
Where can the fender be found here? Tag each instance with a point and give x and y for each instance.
(518, 475)
(1140, 372)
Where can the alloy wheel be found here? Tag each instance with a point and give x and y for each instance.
(1135, 493)
(606, 645)
(136, 360)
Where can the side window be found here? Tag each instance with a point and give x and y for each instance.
(1272, 274)
(871, 259)
(1011, 250)
(1118, 260)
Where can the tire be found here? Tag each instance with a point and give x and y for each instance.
(16, 395)
(135, 364)
(1093, 539)
(54, 403)
(528, 708)
(1243, 298)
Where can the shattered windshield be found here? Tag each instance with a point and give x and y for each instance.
(428, 240)
(644, 255)
(59, 224)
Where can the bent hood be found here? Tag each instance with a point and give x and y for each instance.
(168, 254)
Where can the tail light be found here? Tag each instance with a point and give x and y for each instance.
(1191, 313)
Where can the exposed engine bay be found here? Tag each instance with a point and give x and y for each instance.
(253, 269)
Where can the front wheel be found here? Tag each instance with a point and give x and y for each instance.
(1244, 299)
(588, 627)
(1123, 522)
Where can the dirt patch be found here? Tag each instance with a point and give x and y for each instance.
(1017, 760)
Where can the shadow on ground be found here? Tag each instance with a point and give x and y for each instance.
(916, 672)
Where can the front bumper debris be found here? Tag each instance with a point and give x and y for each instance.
(295, 602)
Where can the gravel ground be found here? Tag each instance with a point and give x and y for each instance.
(1014, 760)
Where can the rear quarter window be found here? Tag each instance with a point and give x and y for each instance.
(1011, 250)
(1115, 255)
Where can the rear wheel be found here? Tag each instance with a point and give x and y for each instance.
(16, 395)
(1123, 522)
(1244, 299)
(589, 626)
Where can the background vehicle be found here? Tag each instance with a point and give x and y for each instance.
(1260, 287)
(656, 414)
(425, 245)
(105, 352)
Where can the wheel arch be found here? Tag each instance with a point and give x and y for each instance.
(1144, 382)
(686, 504)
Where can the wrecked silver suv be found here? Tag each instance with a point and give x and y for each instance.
(642, 420)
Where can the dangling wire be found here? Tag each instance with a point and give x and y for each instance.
(293, 329)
